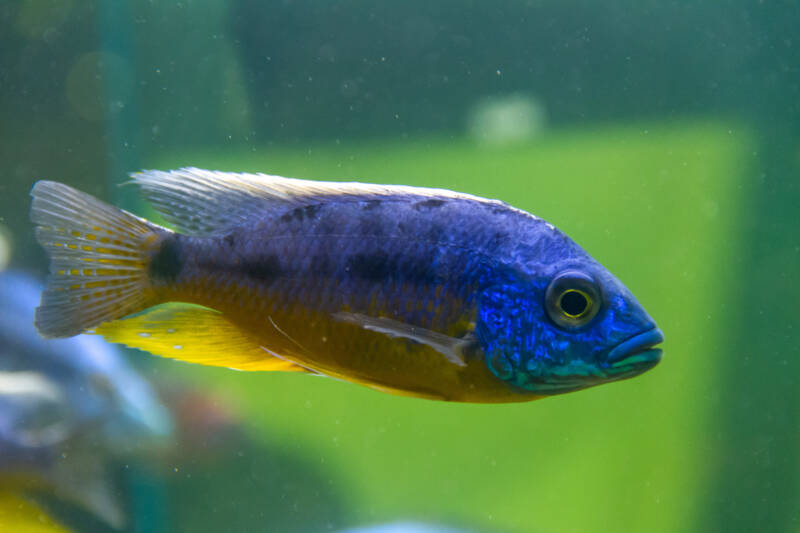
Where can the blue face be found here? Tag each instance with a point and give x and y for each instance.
(572, 327)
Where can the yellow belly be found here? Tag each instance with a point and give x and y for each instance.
(317, 342)
(346, 351)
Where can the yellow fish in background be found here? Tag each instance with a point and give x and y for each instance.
(419, 292)
(22, 516)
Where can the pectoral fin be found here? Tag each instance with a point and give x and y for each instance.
(194, 334)
(452, 348)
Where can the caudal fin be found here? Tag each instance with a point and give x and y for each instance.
(98, 260)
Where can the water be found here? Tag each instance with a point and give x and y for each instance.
(663, 137)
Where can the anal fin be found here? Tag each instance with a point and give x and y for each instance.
(194, 334)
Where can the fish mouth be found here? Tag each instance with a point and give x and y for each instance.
(636, 354)
(629, 358)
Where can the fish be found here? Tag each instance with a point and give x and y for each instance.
(21, 515)
(68, 409)
(418, 292)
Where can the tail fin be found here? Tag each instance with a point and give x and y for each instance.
(98, 260)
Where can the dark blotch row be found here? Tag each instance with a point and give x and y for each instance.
(428, 204)
(265, 268)
(167, 263)
(379, 266)
(308, 212)
(374, 267)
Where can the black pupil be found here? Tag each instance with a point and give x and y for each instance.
(574, 303)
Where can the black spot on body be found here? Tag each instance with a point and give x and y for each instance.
(167, 263)
(428, 204)
(372, 204)
(380, 266)
(310, 211)
(299, 214)
(230, 240)
(266, 268)
(374, 267)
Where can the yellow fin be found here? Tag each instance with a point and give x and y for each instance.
(194, 334)
(99, 259)
(21, 515)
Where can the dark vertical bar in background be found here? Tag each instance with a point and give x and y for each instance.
(757, 484)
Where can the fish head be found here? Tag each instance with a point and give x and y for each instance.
(572, 326)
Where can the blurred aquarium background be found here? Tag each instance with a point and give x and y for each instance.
(664, 137)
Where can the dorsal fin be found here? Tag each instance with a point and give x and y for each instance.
(207, 202)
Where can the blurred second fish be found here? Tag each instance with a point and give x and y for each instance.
(67, 408)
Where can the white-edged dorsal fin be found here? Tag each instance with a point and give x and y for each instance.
(207, 202)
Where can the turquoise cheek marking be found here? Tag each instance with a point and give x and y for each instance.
(499, 364)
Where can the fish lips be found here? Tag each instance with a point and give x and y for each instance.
(635, 355)
(626, 360)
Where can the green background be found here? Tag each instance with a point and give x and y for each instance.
(652, 202)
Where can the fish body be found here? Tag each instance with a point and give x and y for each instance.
(288, 278)
(421, 292)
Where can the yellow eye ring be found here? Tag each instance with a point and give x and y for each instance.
(574, 303)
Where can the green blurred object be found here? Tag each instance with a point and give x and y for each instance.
(654, 203)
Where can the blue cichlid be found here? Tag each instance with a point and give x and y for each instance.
(419, 292)
(66, 407)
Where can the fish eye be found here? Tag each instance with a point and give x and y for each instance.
(572, 299)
